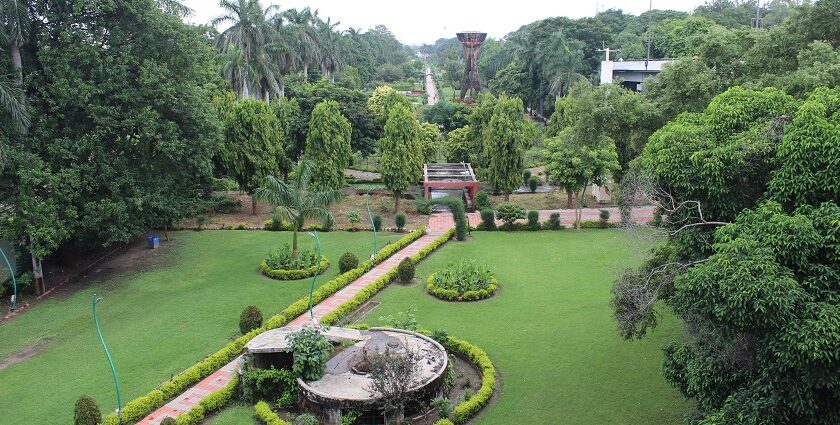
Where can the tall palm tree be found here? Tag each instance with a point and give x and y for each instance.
(14, 24)
(304, 38)
(10, 103)
(297, 201)
(332, 48)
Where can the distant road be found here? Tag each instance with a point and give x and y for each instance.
(430, 87)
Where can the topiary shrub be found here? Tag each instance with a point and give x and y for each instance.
(482, 201)
(377, 222)
(604, 218)
(250, 319)
(347, 262)
(423, 206)
(399, 220)
(169, 421)
(533, 182)
(554, 222)
(533, 220)
(86, 412)
(456, 206)
(488, 219)
(510, 212)
(526, 177)
(405, 270)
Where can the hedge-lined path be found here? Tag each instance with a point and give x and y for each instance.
(218, 379)
(441, 222)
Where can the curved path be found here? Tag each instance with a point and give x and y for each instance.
(430, 87)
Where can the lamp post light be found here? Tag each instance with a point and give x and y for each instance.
(372, 226)
(95, 300)
(314, 234)
(13, 304)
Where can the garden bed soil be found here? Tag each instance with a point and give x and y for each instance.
(552, 200)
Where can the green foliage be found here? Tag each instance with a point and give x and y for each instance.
(169, 421)
(399, 221)
(349, 417)
(328, 145)
(604, 218)
(250, 319)
(442, 406)
(383, 100)
(509, 212)
(252, 148)
(423, 206)
(377, 222)
(405, 270)
(463, 281)
(264, 414)
(269, 384)
(212, 402)
(456, 206)
(403, 320)
(311, 351)
(354, 217)
(86, 411)
(224, 184)
(488, 219)
(533, 183)
(482, 201)
(429, 135)
(526, 177)
(402, 154)
(284, 258)
(554, 222)
(506, 138)
(294, 124)
(459, 147)
(347, 262)
(450, 115)
(533, 220)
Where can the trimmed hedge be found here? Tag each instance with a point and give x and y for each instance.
(138, 408)
(213, 402)
(453, 295)
(283, 274)
(444, 422)
(369, 291)
(468, 408)
(264, 414)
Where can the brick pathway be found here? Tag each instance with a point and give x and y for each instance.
(190, 398)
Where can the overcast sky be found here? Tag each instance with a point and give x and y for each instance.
(415, 22)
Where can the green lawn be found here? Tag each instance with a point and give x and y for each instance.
(549, 330)
(156, 322)
(234, 415)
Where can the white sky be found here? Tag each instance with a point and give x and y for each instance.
(418, 22)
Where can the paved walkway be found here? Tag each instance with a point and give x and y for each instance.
(190, 398)
(430, 87)
(441, 222)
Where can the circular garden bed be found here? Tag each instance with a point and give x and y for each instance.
(464, 281)
(282, 264)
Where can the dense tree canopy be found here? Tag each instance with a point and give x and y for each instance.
(328, 145)
(402, 152)
(505, 139)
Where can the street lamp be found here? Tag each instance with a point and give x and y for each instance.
(14, 282)
(372, 226)
(314, 234)
(95, 300)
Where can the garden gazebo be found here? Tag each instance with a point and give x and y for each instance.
(445, 178)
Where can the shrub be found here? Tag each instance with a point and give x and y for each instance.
(377, 222)
(533, 182)
(263, 413)
(526, 177)
(482, 201)
(422, 206)
(399, 220)
(224, 184)
(283, 258)
(354, 217)
(488, 219)
(223, 204)
(169, 421)
(456, 206)
(592, 224)
(86, 412)
(604, 218)
(554, 222)
(442, 406)
(241, 226)
(268, 384)
(403, 320)
(463, 281)
(250, 319)
(311, 352)
(533, 220)
(200, 220)
(510, 212)
(405, 270)
(347, 262)
(307, 419)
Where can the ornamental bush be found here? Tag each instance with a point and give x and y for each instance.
(169, 421)
(269, 384)
(604, 218)
(250, 319)
(377, 222)
(533, 220)
(488, 219)
(482, 201)
(526, 177)
(282, 258)
(405, 270)
(354, 217)
(510, 212)
(554, 222)
(347, 262)
(463, 281)
(533, 182)
(86, 412)
(311, 352)
(399, 220)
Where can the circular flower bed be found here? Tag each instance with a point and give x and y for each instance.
(280, 264)
(464, 281)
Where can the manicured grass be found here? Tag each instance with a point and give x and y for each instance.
(234, 415)
(156, 322)
(549, 330)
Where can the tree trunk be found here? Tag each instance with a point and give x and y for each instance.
(579, 211)
(507, 196)
(166, 232)
(305, 72)
(396, 202)
(253, 205)
(294, 241)
(282, 89)
(245, 93)
(569, 199)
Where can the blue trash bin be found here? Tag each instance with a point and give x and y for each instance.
(154, 242)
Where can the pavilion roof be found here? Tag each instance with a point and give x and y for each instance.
(450, 172)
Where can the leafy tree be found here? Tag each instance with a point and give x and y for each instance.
(328, 145)
(383, 99)
(294, 125)
(429, 135)
(686, 85)
(509, 213)
(299, 200)
(253, 146)
(388, 73)
(311, 351)
(450, 115)
(479, 121)
(402, 152)
(506, 138)
(458, 146)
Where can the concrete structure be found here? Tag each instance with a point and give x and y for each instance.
(471, 40)
(450, 179)
(631, 73)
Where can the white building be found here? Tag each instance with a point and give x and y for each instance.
(631, 73)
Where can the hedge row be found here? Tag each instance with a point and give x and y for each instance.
(138, 408)
(444, 422)
(519, 227)
(213, 402)
(453, 295)
(264, 414)
(369, 291)
(283, 274)
(468, 408)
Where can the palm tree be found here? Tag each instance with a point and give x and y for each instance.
(303, 37)
(14, 23)
(10, 102)
(332, 44)
(297, 202)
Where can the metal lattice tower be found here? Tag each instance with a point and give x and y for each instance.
(471, 40)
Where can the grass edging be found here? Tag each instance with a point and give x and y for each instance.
(289, 274)
(139, 407)
(453, 295)
(370, 290)
(264, 414)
